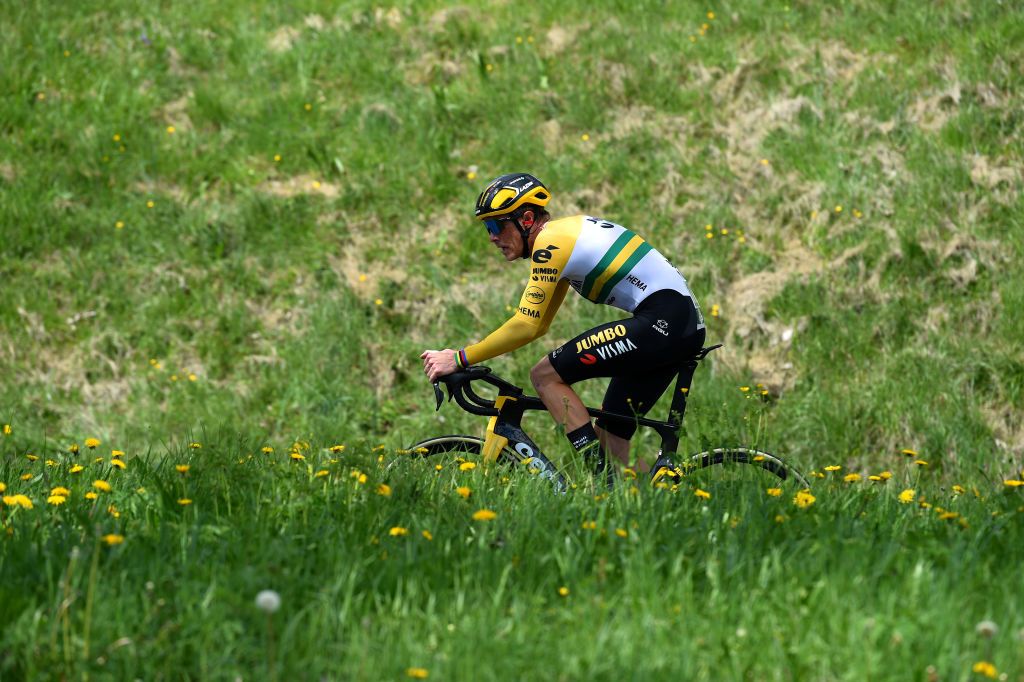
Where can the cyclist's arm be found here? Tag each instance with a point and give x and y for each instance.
(522, 327)
(537, 307)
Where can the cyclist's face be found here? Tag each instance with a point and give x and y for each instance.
(508, 240)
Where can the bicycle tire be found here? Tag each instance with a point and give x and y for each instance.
(743, 455)
(458, 443)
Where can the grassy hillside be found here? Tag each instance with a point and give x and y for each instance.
(238, 224)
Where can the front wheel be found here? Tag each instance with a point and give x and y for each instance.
(456, 444)
(460, 445)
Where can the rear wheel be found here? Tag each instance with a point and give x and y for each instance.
(724, 460)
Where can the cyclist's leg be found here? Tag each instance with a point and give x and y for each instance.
(634, 395)
(562, 402)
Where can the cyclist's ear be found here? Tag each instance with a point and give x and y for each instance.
(527, 219)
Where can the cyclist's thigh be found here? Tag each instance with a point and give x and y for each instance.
(608, 350)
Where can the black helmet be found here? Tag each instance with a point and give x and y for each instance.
(508, 192)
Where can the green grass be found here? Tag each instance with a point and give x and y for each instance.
(248, 305)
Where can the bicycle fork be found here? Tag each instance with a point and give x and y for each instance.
(503, 431)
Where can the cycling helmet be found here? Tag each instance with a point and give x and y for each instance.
(508, 192)
(504, 196)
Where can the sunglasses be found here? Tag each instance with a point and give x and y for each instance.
(493, 226)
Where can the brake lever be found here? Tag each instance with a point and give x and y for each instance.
(438, 395)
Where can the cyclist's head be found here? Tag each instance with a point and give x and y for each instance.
(508, 197)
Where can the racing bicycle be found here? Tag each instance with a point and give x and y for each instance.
(505, 441)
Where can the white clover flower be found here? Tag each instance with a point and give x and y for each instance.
(268, 600)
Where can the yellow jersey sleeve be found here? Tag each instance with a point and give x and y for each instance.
(538, 305)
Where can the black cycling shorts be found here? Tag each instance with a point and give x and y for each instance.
(642, 354)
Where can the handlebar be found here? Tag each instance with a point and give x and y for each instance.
(459, 387)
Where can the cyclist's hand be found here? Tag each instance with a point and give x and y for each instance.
(438, 363)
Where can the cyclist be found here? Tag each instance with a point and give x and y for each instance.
(605, 263)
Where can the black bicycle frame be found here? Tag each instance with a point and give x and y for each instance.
(511, 404)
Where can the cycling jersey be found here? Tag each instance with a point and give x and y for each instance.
(604, 262)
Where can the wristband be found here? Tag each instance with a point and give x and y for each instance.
(460, 359)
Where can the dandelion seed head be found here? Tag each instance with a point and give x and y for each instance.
(268, 601)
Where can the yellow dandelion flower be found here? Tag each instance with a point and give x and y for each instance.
(484, 515)
(27, 477)
(885, 475)
(833, 467)
(76, 468)
(852, 478)
(428, 535)
(59, 490)
(875, 478)
(92, 443)
(702, 494)
(3, 486)
(277, 158)
(91, 495)
(804, 499)
(589, 525)
(170, 130)
(839, 208)
(56, 500)
(73, 448)
(464, 492)
(398, 531)
(297, 456)
(7, 429)
(337, 449)
(715, 310)
(51, 463)
(985, 668)
(1013, 483)
(307, 106)
(920, 462)
(384, 490)
(378, 301)
(112, 510)
(466, 466)
(774, 492)
(621, 532)
(32, 458)
(112, 539)
(628, 473)
(585, 137)
(909, 453)
(907, 496)
(119, 464)
(780, 518)
(184, 502)
(321, 473)
(711, 16)
(97, 460)
(417, 673)
(563, 591)
(117, 453)
(18, 501)
(181, 468)
(101, 485)
(958, 490)
(471, 175)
